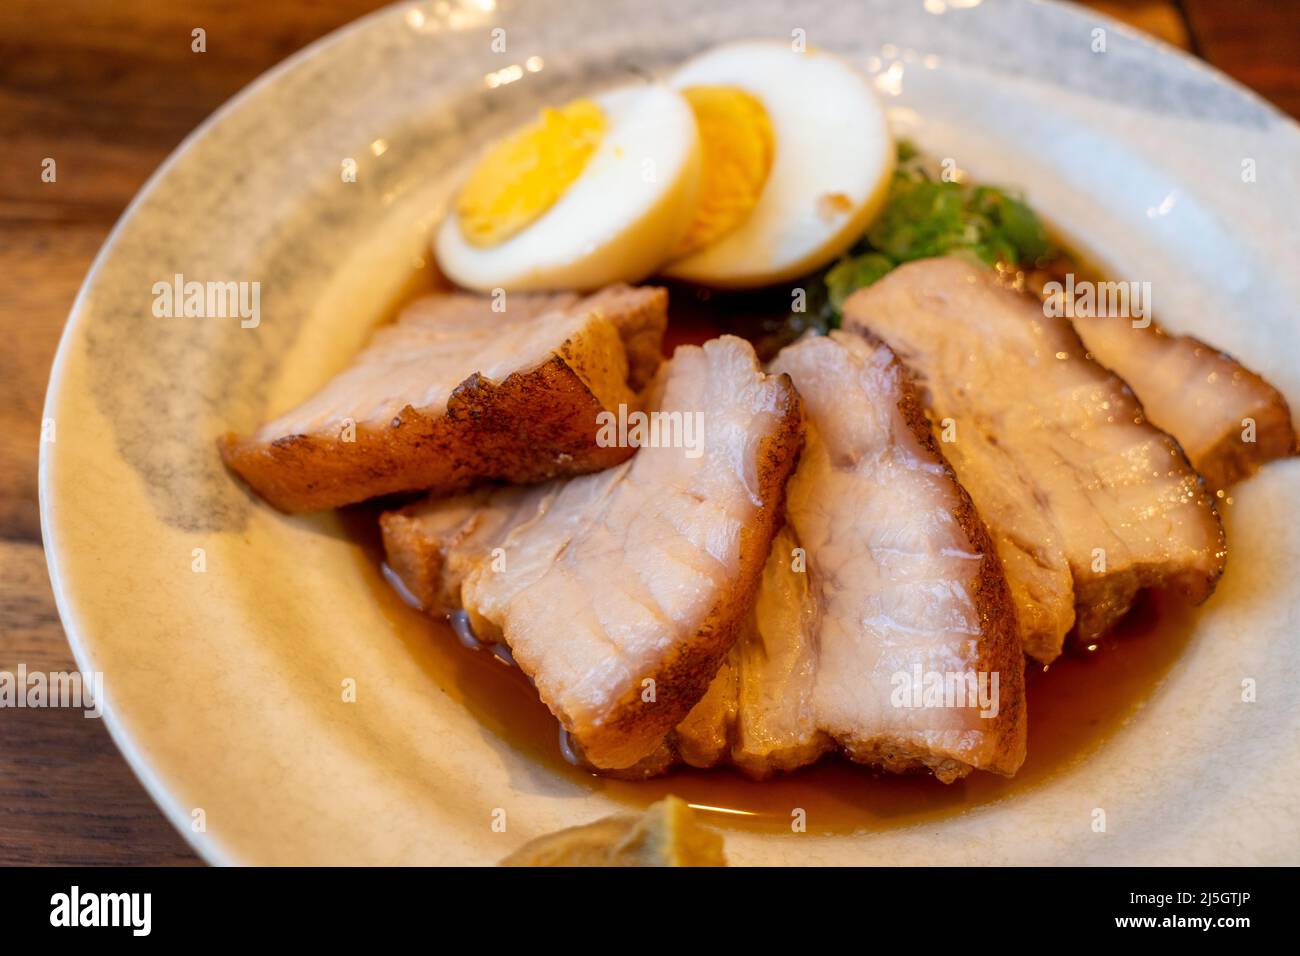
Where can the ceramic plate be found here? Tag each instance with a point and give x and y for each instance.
(226, 631)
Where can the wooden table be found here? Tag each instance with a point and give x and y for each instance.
(108, 88)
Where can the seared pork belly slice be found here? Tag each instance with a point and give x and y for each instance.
(1086, 500)
(1201, 396)
(621, 592)
(883, 583)
(454, 393)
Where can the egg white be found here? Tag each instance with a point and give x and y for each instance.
(830, 140)
(619, 219)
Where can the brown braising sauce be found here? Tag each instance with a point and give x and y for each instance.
(1074, 705)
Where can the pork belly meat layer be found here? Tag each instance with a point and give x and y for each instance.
(620, 593)
(1087, 502)
(1198, 394)
(454, 393)
(883, 576)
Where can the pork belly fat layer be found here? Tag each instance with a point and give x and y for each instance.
(455, 393)
(884, 572)
(620, 593)
(1087, 502)
(1201, 396)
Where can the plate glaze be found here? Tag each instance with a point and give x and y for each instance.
(223, 686)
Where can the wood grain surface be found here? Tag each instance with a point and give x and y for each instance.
(108, 88)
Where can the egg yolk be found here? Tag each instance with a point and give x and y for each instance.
(737, 145)
(523, 175)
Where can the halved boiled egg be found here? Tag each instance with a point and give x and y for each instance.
(797, 161)
(595, 192)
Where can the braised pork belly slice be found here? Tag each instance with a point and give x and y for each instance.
(455, 393)
(882, 588)
(1203, 398)
(1087, 502)
(620, 593)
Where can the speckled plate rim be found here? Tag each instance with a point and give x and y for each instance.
(80, 640)
(139, 763)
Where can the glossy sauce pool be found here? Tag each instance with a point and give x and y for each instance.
(1074, 705)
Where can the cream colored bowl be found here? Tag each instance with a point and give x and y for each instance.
(226, 632)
